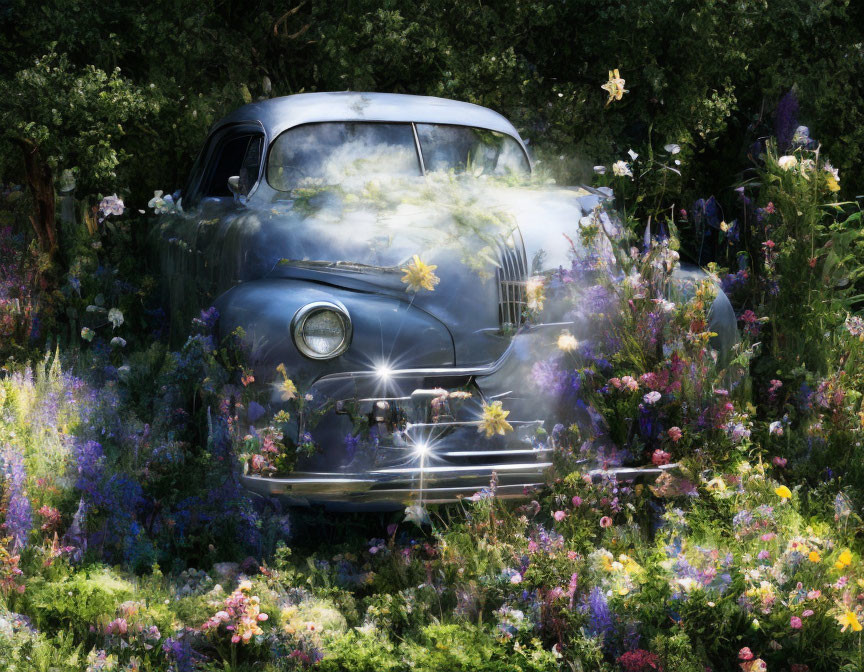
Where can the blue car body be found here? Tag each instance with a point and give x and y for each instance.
(264, 262)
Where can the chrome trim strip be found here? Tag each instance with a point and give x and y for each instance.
(484, 453)
(529, 466)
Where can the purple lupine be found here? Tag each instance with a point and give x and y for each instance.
(600, 618)
(786, 120)
(179, 652)
(19, 515)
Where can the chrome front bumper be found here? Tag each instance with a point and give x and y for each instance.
(422, 450)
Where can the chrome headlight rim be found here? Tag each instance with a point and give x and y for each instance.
(298, 322)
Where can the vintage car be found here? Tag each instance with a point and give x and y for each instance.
(301, 220)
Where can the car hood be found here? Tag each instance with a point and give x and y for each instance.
(366, 242)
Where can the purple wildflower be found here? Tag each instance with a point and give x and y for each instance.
(19, 515)
(786, 120)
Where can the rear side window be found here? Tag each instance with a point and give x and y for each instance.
(466, 149)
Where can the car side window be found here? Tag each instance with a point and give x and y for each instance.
(235, 155)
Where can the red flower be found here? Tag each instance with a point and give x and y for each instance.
(639, 660)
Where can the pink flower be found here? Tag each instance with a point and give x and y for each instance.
(559, 515)
(577, 501)
(516, 578)
(630, 383)
(807, 613)
(814, 594)
(572, 555)
(769, 208)
(262, 617)
(532, 546)
(605, 522)
(768, 537)
(779, 462)
(745, 654)
(117, 627)
(763, 554)
(660, 457)
(795, 623)
(675, 434)
(615, 382)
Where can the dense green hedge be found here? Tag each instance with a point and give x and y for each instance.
(706, 74)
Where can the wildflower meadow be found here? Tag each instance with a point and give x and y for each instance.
(704, 510)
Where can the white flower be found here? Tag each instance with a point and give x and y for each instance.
(776, 428)
(621, 169)
(802, 136)
(831, 170)
(787, 162)
(600, 170)
(160, 204)
(652, 397)
(115, 317)
(111, 205)
(633, 155)
(672, 148)
(417, 514)
(118, 342)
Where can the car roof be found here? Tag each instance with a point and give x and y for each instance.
(280, 114)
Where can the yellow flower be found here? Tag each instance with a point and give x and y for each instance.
(614, 87)
(289, 389)
(420, 276)
(848, 619)
(833, 184)
(716, 485)
(494, 420)
(567, 342)
(783, 492)
(535, 294)
(844, 560)
(814, 556)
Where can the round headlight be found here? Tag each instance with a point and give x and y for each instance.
(321, 330)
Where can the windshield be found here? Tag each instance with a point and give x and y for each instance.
(465, 149)
(336, 152)
(332, 152)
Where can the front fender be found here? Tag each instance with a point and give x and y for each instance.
(386, 330)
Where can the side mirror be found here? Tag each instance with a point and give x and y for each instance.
(234, 185)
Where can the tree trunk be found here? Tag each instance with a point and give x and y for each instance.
(40, 180)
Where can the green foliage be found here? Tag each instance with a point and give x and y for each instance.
(691, 79)
(73, 116)
(75, 602)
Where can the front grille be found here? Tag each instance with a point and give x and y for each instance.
(511, 276)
